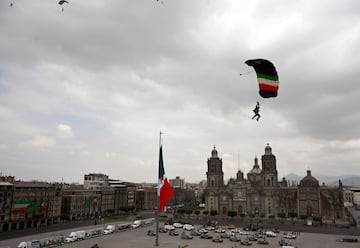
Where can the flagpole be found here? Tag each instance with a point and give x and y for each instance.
(158, 205)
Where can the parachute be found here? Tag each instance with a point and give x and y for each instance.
(267, 77)
(61, 2)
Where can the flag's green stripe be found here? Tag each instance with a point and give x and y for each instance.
(22, 201)
(274, 78)
(161, 164)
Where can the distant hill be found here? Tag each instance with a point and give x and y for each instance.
(347, 180)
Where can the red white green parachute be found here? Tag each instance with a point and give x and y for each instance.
(267, 77)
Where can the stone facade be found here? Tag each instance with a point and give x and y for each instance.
(28, 204)
(261, 194)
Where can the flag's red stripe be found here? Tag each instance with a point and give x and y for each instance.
(166, 192)
(18, 210)
(267, 87)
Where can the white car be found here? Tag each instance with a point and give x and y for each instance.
(290, 236)
(244, 233)
(219, 230)
(169, 227)
(178, 225)
(270, 234)
(188, 227)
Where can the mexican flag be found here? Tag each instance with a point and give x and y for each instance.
(165, 191)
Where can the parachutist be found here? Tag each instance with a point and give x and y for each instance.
(256, 111)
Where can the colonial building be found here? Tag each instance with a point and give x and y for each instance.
(146, 198)
(99, 196)
(80, 203)
(263, 195)
(28, 204)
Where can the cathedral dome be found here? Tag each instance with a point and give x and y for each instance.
(309, 180)
(214, 153)
(256, 169)
(268, 149)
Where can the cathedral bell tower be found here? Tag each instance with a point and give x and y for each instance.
(215, 174)
(269, 168)
(215, 182)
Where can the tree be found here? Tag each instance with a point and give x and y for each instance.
(213, 212)
(292, 214)
(282, 215)
(127, 208)
(232, 213)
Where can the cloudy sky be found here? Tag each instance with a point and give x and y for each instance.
(88, 89)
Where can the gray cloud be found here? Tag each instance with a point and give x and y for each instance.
(118, 72)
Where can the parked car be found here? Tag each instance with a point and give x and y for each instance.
(169, 227)
(185, 235)
(188, 227)
(244, 232)
(270, 234)
(217, 239)
(225, 235)
(246, 242)
(252, 237)
(151, 233)
(235, 239)
(205, 236)
(162, 230)
(203, 230)
(29, 244)
(109, 229)
(290, 236)
(178, 225)
(173, 233)
(263, 241)
(284, 242)
(195, 233)
(219, 230)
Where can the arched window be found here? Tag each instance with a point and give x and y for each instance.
(240, 209)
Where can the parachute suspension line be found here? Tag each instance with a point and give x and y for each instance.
(243, 73)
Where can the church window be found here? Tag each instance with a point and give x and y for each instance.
(268, 182)
(240, 209)
(224, 198)
(212, 183)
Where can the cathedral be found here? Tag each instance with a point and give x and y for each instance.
(262, 194)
